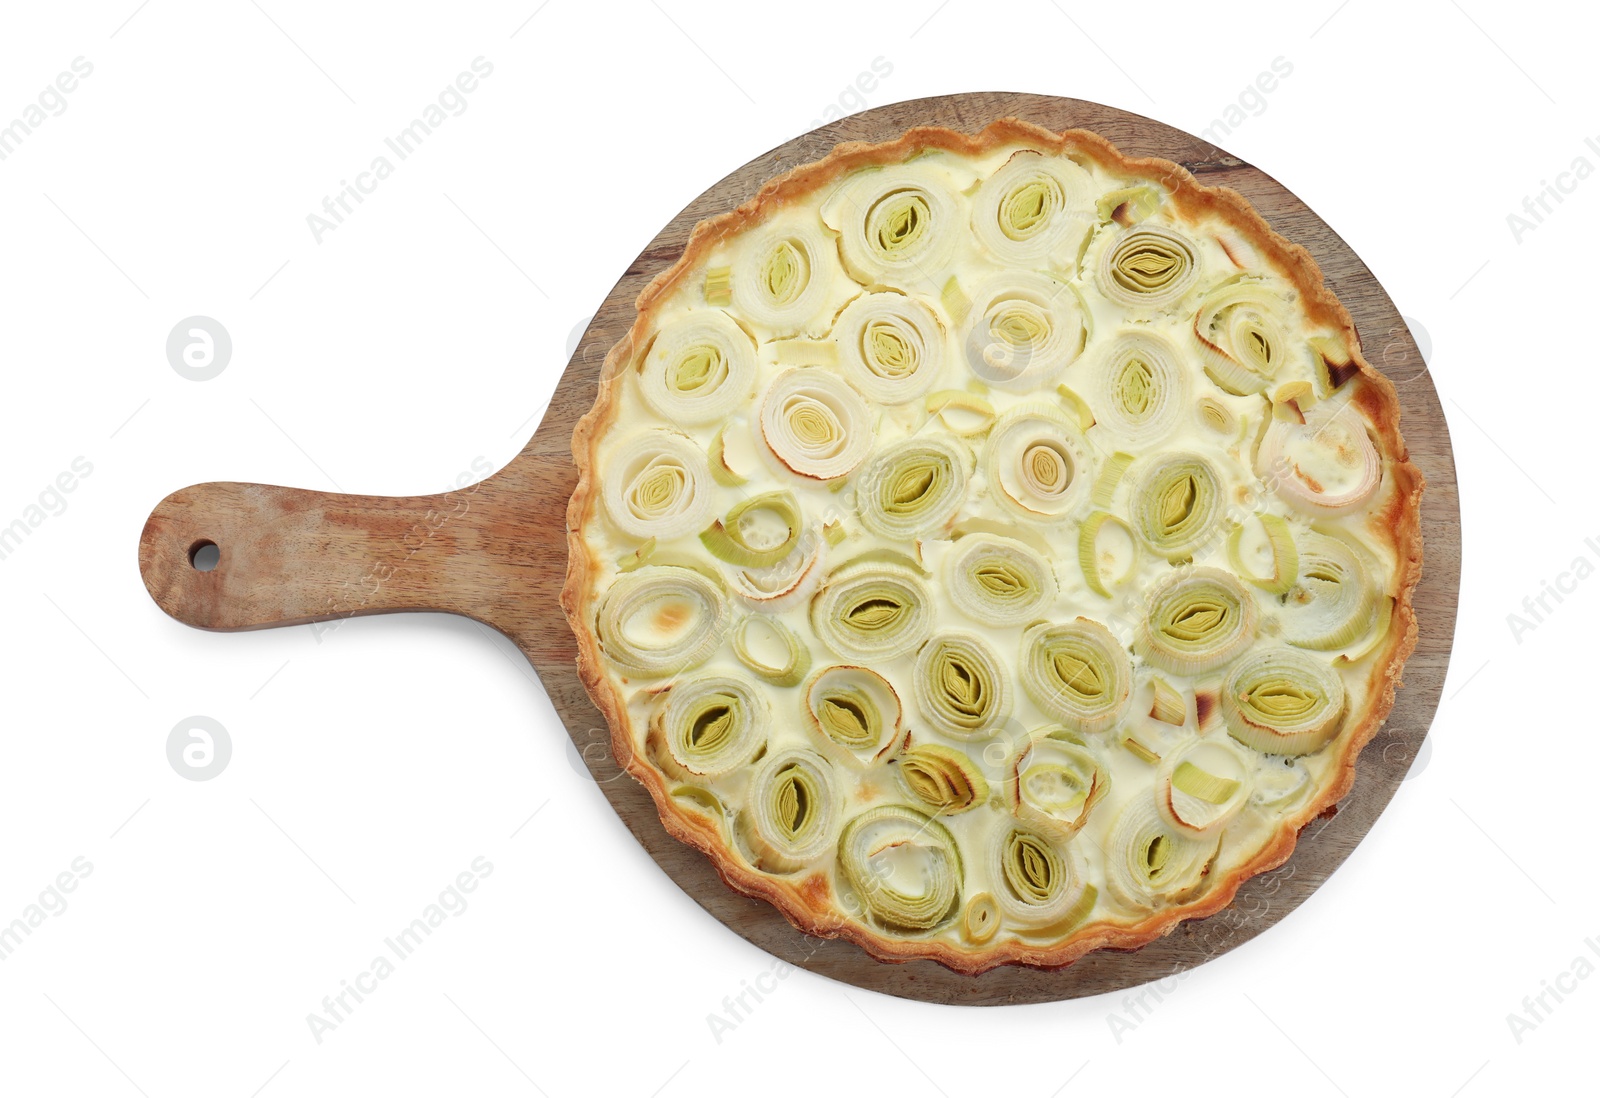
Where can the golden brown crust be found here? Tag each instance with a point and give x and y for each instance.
(807, 903)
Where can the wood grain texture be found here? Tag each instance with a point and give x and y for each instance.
(497, 552)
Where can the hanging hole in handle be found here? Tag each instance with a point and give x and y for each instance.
(204, 555)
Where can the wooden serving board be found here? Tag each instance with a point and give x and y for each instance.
(497, 552)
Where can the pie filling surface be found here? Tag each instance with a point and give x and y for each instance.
(992, 548)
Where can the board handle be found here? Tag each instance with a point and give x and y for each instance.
(285, 556)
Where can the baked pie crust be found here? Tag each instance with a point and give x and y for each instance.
(992, 548)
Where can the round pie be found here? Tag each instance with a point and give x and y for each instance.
(992, 548)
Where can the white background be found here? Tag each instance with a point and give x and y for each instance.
(421, 335)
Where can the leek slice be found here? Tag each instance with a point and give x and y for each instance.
(1076, 405)
(981, 918)
(1277, 545)
(1217, 416)
(913, 487)
(700, 369)
(639, 557)
(787, 583)
(1243, 335)
(719, 285)
(1202, 787)
(793, 810)
(872, 611)
(961, 686)
(1034, 210)
(998, 581)
(771, 650)
(1177, 504)
(657, 485)
(1077, 673)
(963, 413)
(1166, 704)
(661, 620)
(1141, 388)
(1106, 564)
(897, 226)
(1054, 783)
(892, 346)
(757, 533)
(1326, 466)
(854, 708)
(717, 456)
(943, 778)
(1335, 601)
(1150, 864)
(1037, 885)
(1283, 701)
(815, 424)
(903, 866)
(1196, 621)
(1037, 464)
(1023, 329)
(784, 277)
(1148, 267)
(1374, 639)
(709, 726)
(1111, 473)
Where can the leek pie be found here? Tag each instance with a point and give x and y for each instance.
(992, 548)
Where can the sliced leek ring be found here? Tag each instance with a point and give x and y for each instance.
(981, 920)
(757, 533)
(792, 814)
(1037, 464)
(1141, 390)
(913, 487)
(1324, 467)
(1283, 701)
(891, 346)
(815, 424)
(700, 369)
(897, 226)
(1195, 621)
(1150, 864)
(1202, 786)
(1108, 554)
(1243, 336)
(1054, 783)
(1023, 329)
(873, 611)
(1148, 267)
(770, 650)
(942, 778)
(997, 580)
(1334, 602)
(789, 582)
(903, 865)
(854, 708)
(784, 278)
(709, 726)
(1036, 882)
(1077, 674)
(659, 486)
(960, 685)
(1178, 504)
(1034, 210)
(1275, 546)
(661, 620)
